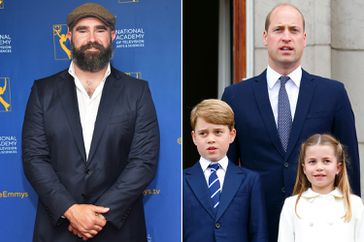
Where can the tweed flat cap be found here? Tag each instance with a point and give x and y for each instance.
(90, 10)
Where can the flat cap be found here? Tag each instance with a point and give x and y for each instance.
(90, 10)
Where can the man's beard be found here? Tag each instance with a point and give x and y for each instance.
(91, 61)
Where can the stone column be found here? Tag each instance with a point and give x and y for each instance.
(347, 61)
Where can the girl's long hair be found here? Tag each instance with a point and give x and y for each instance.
(341, 180)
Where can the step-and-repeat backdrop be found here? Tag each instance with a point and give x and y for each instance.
(33, 44)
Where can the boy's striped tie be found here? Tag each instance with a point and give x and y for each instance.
(214, 185)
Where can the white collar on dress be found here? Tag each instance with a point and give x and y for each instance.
(311, 194)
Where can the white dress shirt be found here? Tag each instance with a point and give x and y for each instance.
(88, 106)
(292, 88)
(320, 219)
(220, 172)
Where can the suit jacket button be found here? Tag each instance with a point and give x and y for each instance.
(217, 225)
(286, 164)
(283, 190)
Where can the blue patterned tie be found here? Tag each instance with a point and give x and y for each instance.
(284, 113)
(214, 185)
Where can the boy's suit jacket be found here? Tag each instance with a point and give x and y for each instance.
(121, 162)
(240, 216)
(322, 107)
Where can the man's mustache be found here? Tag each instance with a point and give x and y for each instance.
(92, 45)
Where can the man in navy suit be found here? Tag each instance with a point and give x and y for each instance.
(90, 141)
(221, 201)
(316, 105)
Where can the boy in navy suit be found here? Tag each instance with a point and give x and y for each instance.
(221, 201)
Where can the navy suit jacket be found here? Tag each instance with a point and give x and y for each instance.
(240, 216)
(322, 107)
(121, 162)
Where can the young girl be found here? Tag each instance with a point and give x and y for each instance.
(322, 208)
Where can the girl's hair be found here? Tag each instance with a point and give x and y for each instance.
(341, 179)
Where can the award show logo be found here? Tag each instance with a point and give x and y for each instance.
(8, 145)
(61, 43)
(5, 94)
(7, 194)
(151, 191)
(5, 43)
(2, 4)
(129, 38)
(126, 1)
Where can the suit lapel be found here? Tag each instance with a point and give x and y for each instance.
(262, 98)
(232, 182)
(305, 95)
(68, 97)
(107, 102)
(196, 180)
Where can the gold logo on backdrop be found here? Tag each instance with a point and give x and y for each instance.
(5, 93)
(60, 41)
(128, 1)
(7, 194)
(2, 4)
(152, 191)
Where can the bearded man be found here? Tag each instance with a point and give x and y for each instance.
(90, 141)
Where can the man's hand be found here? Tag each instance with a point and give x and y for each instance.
(86, 220)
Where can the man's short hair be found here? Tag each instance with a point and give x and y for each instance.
(213, 111)
(267, 19)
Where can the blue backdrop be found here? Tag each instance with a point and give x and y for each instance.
(147, 46)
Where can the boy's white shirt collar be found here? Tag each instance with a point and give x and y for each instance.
(205, 163)
(273, 76)
(309, 193)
